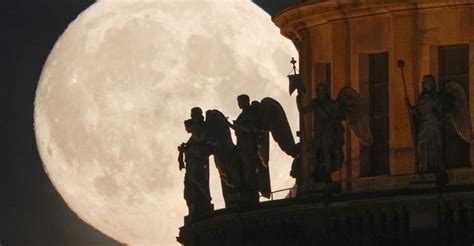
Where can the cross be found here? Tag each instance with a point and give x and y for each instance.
(293, 61)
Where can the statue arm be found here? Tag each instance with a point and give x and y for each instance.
(181, 149)
(340, 112)
(251, 128)
(411, 108)
(237, 127)
(211, 145)
(301, 108)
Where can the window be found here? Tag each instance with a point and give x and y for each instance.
(375, 159)
(454, 65)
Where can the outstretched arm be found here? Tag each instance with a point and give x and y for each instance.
(411, 108)
(407, 102)
(249, 128)
(301, 108)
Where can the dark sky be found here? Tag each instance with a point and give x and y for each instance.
(32, 212)
(35, 213)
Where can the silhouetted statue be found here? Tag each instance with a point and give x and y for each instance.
(296, 165)
(196, 153)
(198, 130)
(271, 119)
(246, 132)
(225, 156)
(432, 111)
(244, 168)
(328, 141)
(252, 129)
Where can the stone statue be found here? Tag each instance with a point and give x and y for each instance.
(327, 145)
(434, 109)
(198, 128)
(225, 156)
(196, 153)
(244, 167)
(252, 130)
(246, 131)
(271, 118)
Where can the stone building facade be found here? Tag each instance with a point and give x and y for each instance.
(358, 44)
(383, 201)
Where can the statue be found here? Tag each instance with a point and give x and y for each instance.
(198, 128)
(225, 156)
(194, 157)
(246, 131)
(244, 167)
(271, 119)
(432, 111)
(252, 129)
(328, 141)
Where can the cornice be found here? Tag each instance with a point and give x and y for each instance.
(296, 19)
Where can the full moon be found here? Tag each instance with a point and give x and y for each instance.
(114, 93)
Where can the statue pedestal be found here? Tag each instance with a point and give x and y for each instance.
(328, 187)
(200, 210)
(249, 200)
(323, 187)
(423, 180)
(232, 200)
(186, 236)
(242, 200)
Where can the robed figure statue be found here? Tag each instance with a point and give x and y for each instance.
(246, 128)
(433, 111)
(194, 157)
(328, 141)
(252, 130)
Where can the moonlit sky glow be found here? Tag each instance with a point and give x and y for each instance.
(115, 91)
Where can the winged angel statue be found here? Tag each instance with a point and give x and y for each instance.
(434, 110)
(239, 172)
(328, 140)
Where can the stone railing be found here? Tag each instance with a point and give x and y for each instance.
(398, 217)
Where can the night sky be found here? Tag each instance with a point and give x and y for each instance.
(32, 212)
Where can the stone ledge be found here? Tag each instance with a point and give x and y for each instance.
(381, 216)
(308, 15)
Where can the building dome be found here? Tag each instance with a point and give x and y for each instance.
(385, 196)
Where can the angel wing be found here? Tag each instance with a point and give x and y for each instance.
(263, 171)
(357, 117)
(225, 156)
(273, 119)
(457, 110)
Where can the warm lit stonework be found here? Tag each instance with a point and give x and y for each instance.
(358, 44)
(383, 199)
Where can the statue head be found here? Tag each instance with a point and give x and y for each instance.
(429, 83)
(196, 114)
(243, 101)
(208, 113)
(255, 105)
(323, 91)
(188, 125)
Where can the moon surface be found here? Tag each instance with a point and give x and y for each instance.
(114, 93)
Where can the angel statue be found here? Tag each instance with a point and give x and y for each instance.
(244, 167)
(271, 119)
(432, 111)
(327, 145)
(194, 158)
